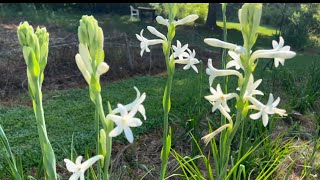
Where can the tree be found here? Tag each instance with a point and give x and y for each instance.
(212, 16)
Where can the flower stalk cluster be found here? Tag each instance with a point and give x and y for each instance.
(174, 54)
(244, 62)
(90, 61)
(35, 52)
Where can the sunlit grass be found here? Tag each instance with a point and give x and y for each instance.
(263, 30)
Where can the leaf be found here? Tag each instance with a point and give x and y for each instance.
(166, 105)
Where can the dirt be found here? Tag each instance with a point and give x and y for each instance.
(61, 71)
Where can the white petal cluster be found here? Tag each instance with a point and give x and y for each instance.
(127, 118)
(265, 110)
(219, 100)
(145, 43)
(187, 58)
(84, 64)
(252, 88)
(279, 53)
(78, 169)
(235, 62)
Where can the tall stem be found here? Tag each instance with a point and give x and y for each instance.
(48, 156)
(166, 109)
(107, 126)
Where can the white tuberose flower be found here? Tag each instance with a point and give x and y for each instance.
(190, 61)
(126, 119)
(219, 100)
(279, 47)
(265, 110)
(279, 53)
(251, 88)
(79, 169)
(136, 103)
(236, 61)
(213, 72)
(180, 51)
(124, 122)
(146, 42)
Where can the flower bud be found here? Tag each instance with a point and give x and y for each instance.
(102, 68)
(102, 144)
(218, 43)
(188, 19)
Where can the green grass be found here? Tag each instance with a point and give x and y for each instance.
(263, 30)
(70, 111)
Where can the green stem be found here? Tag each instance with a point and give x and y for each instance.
(48, 156)
(165, 154)
(107, 126)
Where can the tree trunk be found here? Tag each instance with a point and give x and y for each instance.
(212, 16)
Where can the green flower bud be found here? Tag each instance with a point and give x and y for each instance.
(249, 17)
(102, 144)
(43, 38)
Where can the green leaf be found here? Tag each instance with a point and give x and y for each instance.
(165, 105)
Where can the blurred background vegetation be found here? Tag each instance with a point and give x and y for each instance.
(297, 22)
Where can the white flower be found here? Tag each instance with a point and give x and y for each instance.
(79, 169)
(265, 110)
(218, 43)
(180, 51)
(136, 103)
(146, 42)
(190, 61)
(185, 20)
(219, 100)
(236, 61)
(279, 53)
(251, 88)
(279, 47)
(213, 72)
(124, 122)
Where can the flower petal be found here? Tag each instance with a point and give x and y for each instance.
(128, 134)
(75, 176)
(134, 122)
(90, 162)
(78, 160)
(265, 119)
(71, 167)
(255, 115)
(116, 131)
